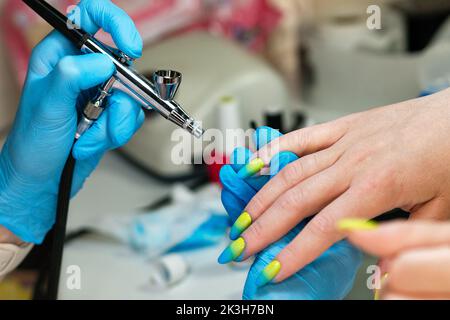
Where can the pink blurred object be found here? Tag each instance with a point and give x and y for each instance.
(18, 23)
(249, 22)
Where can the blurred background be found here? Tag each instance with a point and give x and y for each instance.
(245, 63)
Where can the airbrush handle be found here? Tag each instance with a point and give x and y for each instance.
(94, 108)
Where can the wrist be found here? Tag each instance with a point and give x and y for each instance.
(27, 206)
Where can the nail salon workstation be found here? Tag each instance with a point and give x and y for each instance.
(332, 67)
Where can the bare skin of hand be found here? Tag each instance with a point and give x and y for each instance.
(359, 166)
(7, 237)
(417, 256)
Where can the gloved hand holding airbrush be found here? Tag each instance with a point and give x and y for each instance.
(329, 277)
(57, 86)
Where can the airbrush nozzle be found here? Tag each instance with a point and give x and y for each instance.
(195, 129)
(182, 119)
(166, 83)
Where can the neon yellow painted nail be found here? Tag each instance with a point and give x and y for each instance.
(233, 251)
(269, 273)
(241, 224)
(256, 164)
(356, 224)
(251, 168)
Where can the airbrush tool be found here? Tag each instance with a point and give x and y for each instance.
(158, 95)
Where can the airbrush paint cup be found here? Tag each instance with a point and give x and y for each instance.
(167, 83)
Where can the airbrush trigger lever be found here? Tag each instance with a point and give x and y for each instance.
(94, 108)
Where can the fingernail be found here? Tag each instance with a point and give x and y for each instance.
(233, 251)
(251, 168)
(356, 224)
(269, 273)
(376, 295)
(241, 224)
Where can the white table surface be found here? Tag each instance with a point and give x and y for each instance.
(111, 270)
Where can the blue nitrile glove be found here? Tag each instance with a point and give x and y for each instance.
(59, 82)
(331, 276)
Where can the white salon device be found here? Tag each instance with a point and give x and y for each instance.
(212, 68)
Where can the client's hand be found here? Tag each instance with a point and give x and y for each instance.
(329, 277)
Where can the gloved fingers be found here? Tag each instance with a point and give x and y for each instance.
(265, 135)
(335, 269)
(252, 288)
(69, 78)
(280, 161)
(232, 204)
(236, 191)
(329, 277)
(238, 159)
(83, 169)
(262, 135)
(93, 15)
(116, 126)
(48, 52)
(321, 231)
(127, 117)
(290, 289)
(241, 156)
(234, 184)
(342, 262)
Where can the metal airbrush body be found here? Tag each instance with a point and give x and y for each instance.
(158, 96)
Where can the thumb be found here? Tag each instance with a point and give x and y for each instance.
(72, 75)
